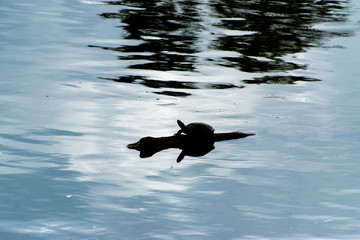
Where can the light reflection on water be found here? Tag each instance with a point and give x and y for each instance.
(65, 170)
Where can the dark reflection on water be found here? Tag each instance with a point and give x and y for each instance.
(280, 79)
(171, 84)
(280, 28)
(251, 36)
(168, 31)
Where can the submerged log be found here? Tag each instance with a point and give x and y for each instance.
(231, 135)
(190, 145)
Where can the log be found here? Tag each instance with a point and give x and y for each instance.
(191, 145)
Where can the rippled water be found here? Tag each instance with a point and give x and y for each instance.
(82, 79)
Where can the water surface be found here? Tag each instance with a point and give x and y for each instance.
(82, 79)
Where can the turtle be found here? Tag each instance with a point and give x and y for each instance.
(196, 129)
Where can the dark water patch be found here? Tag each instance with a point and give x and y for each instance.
(154, 83)
(177, 36)
(222, 86)
(30, 139)
(278, 28)
(20, 138)
(165, 62)
(54, 132)
(280, 80)
(127, 79)
(173, 93)
(253, 65)
(167, 30)
(110, 15)
(151, 83)
(71, 85)
(157, 60)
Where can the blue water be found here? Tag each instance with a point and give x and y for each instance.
(79, 80)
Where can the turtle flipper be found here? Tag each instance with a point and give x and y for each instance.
(181, 156)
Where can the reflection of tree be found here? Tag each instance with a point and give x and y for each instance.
(167, 32)
(278, 28)
(260, 32)
(280, 79)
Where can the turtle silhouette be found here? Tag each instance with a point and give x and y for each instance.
(195, 139)
(198, 139)
(196, 129)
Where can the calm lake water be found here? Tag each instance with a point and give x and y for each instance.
(82, 79)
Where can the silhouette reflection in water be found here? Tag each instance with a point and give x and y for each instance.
(194, 139)
(252, 36)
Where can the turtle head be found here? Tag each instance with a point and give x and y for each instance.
(181, 125)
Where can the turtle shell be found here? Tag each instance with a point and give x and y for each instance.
(197, 129)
